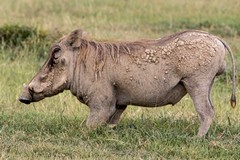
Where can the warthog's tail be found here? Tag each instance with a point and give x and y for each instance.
(233, 97)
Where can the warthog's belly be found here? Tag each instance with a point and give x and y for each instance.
(152, 98)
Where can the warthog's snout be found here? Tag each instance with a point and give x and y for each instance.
(26, 97)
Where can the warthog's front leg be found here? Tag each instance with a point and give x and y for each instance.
(100, 112)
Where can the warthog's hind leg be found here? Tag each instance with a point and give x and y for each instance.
(114, 119)
(199, 90)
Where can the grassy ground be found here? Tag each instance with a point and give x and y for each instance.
(55, 127)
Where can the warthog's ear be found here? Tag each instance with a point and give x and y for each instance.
(75, 37)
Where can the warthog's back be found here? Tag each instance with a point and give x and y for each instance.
(151, 73)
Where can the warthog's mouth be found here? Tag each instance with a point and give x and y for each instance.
(24, 100)
(27, 99)
(29, 96)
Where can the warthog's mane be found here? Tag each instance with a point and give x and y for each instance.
(104, 49)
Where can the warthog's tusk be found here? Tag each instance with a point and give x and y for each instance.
(24, 85)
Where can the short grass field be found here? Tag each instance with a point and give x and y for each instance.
(54, 128)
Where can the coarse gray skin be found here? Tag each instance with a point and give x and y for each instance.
(108, 76)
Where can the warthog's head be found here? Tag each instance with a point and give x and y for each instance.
(56, 73)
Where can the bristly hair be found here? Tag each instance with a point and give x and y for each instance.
(103, 49)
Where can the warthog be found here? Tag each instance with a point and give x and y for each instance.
(108, 76)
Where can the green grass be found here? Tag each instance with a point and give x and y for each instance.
(53, 135)
(54, 128)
